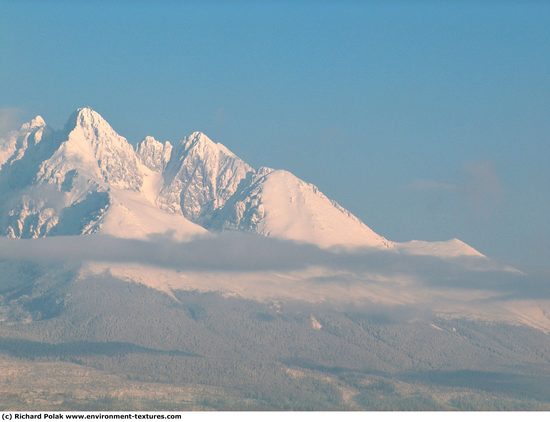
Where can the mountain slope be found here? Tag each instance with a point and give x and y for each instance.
(277, 203)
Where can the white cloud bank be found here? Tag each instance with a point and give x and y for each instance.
(263, 269)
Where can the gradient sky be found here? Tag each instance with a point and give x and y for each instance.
(427, 119)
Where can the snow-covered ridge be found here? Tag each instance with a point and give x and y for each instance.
(154, 154)
(200, 177)
(88, 178)
(449, 248)
(13, 147)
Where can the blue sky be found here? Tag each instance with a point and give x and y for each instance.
(427, 119)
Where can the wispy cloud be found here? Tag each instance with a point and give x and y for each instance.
(482, 187)
(387, 284)
(10, 119)
(235, 252)
(479, 187)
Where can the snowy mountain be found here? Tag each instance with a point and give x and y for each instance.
(80, 180)
(316, 308)
(14, 146)
(200, 177)
(154, 154)
(277, 203)
(87, 178)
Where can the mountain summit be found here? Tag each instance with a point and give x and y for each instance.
(87, 178)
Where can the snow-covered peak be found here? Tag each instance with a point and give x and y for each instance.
(16, 143)
(149, 139)
(96, 151)
(197, 138)
(36, 122)
(279, 204)
(88, 116)
(202, 144)
(154, 154)
(149, 142)
(200, 177)
(90, 122)
(448, 248)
